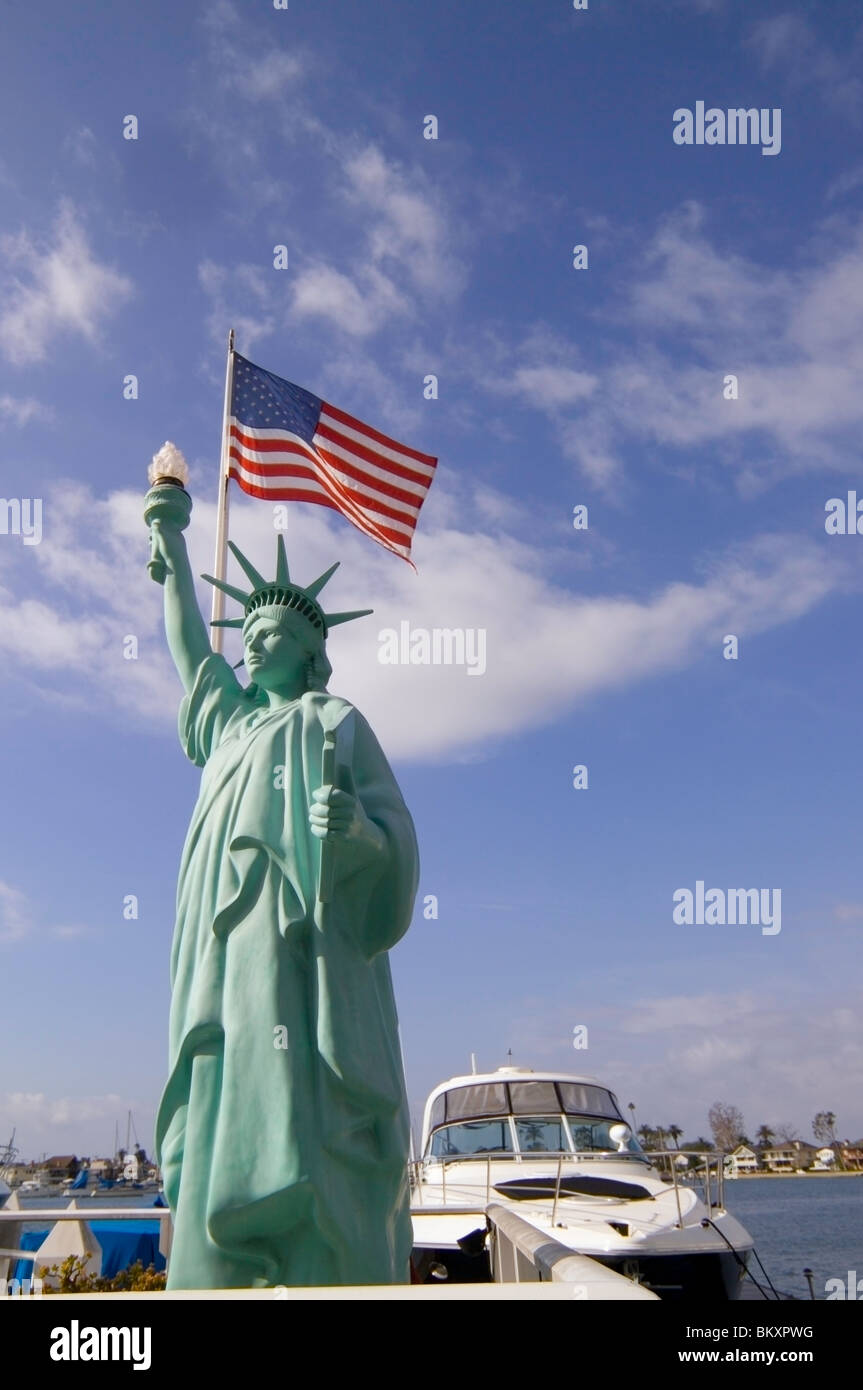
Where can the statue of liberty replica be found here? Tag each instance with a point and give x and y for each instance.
(283, 1130)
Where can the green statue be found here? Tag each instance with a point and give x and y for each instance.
(283, 1129)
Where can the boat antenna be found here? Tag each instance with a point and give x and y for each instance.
(473, 1064)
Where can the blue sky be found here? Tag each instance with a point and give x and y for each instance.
(557, 387)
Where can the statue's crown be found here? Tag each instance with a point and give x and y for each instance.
(281, 592)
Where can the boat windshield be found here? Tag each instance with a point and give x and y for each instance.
(475, 1137)
(590, 1135)
(539, 1134)
(525, 1117)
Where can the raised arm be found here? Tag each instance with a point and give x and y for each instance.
(188, 639)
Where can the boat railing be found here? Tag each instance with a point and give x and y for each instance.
(707, 1168)
(25, 1216)
(418, 1171)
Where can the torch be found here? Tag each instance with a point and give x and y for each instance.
(167, 501)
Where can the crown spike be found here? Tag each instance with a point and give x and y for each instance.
(257, 579)
(333, 619)
(227, 622)
(229, 589)
(283, 574)
(315, 588)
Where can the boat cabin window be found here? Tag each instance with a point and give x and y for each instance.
(579, 1099)
(475, 1137)
(465, 1102)
(544, 1135)
(533, 1097)
(590, 1135)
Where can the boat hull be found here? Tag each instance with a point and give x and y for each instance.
(714, 1276)
(710, 1276)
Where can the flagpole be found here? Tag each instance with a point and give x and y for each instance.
(220, 564)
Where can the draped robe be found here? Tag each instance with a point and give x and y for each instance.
(284, 1164)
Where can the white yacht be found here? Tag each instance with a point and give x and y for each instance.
(558, 1148)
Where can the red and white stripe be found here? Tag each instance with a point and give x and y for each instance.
(377, 483)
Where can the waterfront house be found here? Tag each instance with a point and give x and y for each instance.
(779, 1159)
(805, 1154)
(101, 1168)
(16, 1173)
(741, 1160)
(852, 1155)
(57, 1168)
(793, 1156)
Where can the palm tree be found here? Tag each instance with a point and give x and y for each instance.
(676, 1133)
(764, 1137)
(631, 1108)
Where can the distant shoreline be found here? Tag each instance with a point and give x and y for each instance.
(802, 1173)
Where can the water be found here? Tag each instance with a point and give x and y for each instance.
(800, 1222)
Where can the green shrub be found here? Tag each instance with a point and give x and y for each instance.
(72, 1277)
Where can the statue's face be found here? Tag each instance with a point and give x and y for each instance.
(275, 658)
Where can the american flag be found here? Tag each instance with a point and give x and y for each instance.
(287, 445)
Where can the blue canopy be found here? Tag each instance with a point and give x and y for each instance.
(122, 1242)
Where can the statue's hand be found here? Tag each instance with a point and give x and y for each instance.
(338, 816)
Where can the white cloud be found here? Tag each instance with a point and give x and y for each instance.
(17, 920)
(68, 637)
(547, 650)
(242, 297)
(15, 913)
(686, 283)
(35, 1106)
(846, 182)
(92, 591)
(321, 291)
(405, 256)
(50, 1124)
(241, 66)
(688, 1011)
(407, 226)
(82, 146)
(766, 1051)
(52, 287)
(553, 386)
(701, 313)
(407, 253)
(790, 43)
(22, 410)
(266, 76)
(73, 932)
